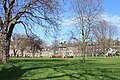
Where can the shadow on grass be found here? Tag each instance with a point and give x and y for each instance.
(82, 71)
(35, 60)
(15, 72)
(85, 75)
(81, 76)
(12, 73)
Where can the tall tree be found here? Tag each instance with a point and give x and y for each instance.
(105, 33)
(86, 12)
(112, 33)
(25, 12)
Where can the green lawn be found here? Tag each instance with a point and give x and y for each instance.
(95, 68)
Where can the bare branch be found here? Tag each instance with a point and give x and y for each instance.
(5, 6)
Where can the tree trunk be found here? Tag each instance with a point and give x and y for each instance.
(83, 44)
(4, 48)
(33, 54)
(83, 58)
(15, 52)
(22, 51)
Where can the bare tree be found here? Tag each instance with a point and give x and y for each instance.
(24, 43)
(105, 33)
(87, 12)
(19, 43)
(25, 12)
(35, 44)
(100, 32)
(15, 44)
(55, 45)
(112, 33)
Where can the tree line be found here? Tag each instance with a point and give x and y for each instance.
(30, 44)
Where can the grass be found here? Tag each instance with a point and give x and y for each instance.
(95, 68)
